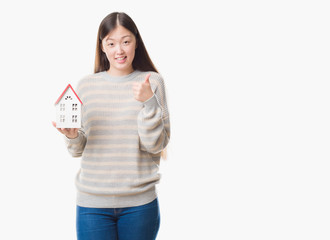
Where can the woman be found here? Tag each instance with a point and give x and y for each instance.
(125, 129)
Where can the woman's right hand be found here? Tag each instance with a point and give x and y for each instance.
(68, 132)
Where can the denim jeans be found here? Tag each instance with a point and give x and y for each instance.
(130, 223)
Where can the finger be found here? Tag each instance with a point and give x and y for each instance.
(135, 88)
(65, 131)
(147, 78)
(136, 91)
(58, 129)
(73, 130)
(136, 85)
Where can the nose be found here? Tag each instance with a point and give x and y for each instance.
(119, 49)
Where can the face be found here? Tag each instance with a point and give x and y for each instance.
(119, 46)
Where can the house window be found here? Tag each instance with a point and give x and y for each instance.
(74, 106)
(62, 107)
(62, 118)
(74, 118)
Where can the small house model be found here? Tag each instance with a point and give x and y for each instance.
(68, 109)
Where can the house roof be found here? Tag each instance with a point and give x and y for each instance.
(69, 86)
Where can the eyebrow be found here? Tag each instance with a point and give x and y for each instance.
(108, 38)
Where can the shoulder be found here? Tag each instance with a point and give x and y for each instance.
(89, 79)
(156, 76)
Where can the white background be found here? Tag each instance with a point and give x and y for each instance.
(248, 94)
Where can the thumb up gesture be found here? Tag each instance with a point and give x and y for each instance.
(142, 91)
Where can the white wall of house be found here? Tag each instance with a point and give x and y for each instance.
(68, 111)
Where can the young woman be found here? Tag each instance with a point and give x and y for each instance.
(125, 129)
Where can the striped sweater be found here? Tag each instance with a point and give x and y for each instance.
(120, 141)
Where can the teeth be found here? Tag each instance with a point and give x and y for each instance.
(120, 58)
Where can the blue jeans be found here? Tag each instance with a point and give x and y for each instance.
(130, 223)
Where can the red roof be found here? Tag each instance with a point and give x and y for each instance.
(69, 86)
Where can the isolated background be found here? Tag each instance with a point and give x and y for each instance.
(248, 94)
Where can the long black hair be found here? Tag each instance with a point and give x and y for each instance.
(141, 60)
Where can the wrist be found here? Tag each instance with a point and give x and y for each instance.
(72, 136)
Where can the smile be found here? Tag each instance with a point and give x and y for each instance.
(121, 58)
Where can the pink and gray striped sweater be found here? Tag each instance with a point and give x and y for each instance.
(120, 141)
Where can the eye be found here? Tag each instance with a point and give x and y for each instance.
(126, 42)
(110, 44)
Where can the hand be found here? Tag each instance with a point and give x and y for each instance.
(142, 91)
(68, 132)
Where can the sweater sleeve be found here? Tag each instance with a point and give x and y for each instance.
(153, 119)
(76, 145)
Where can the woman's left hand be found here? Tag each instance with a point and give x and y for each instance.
(142, 91)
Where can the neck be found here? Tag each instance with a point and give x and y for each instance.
(115, 72)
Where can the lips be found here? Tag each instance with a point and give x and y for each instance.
(121, 59)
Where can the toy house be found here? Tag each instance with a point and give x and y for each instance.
(68, 109)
